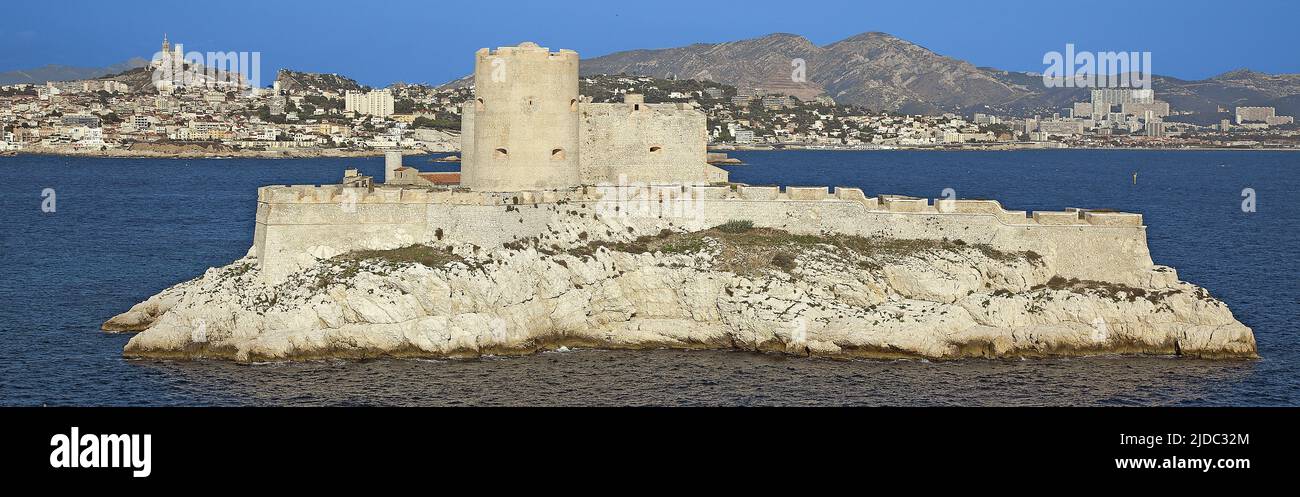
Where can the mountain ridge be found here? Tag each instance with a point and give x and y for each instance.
(884, 72)
(58, 72)
(873, 69)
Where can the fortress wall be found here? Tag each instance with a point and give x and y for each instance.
(644, 143)
(295, 225)
(907, 205)
(1113, 219)
(467, 157)
(806, 193)
(854, 194)
(759, 192)
(1059, 218)
(1110, 253)
(1014, 217)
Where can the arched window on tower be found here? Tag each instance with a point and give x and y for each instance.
(500, 153)
(557, 154)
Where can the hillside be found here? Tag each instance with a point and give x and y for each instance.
(55, 72)
(880, 71)
(296, 81)
(139, 79)
(875, 70)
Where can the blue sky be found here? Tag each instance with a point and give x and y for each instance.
(380, 42)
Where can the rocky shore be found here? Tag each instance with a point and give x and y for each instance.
(733, 286)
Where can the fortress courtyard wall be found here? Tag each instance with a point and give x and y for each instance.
(296, 225)
(642, 143)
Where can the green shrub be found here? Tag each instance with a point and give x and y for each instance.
(783, 260)
(735, 226)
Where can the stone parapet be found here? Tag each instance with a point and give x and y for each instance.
(298, 223)
(338, 194)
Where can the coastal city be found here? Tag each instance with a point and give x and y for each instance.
(303, 114)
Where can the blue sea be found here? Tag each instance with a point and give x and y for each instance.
(123, 229)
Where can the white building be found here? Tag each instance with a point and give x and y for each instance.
(1266, 115)
(375, 103)
(1061, 127)
(10, 142)
(87, 136)
(142, 122)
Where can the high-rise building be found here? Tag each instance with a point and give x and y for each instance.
(1156, 108)
(1104, 99)
(1155, 129)
(1123, 95)
(1062, 127)
(374, 103)
(1259, 114)
(1266, 115)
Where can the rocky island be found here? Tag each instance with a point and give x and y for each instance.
(733, 286)
(575, 223)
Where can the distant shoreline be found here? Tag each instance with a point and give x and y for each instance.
(1012, 149)
(228, 154)
(343, 154)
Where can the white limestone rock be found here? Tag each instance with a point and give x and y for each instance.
(953, 301)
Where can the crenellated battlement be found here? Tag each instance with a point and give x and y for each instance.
(296, 224)
(528, 49)
(893, 204)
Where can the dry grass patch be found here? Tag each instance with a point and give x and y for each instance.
(344, 267)
(1116, 292)
(745, 249)
(418, 254)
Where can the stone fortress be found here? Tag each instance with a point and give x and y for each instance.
(529, 129)
(573, 223)
(619, 170)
